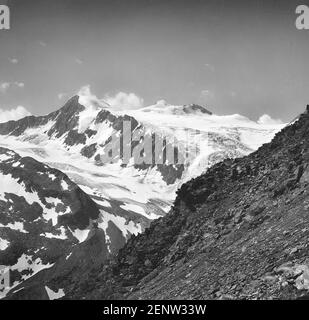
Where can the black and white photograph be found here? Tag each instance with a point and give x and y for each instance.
(154, 150)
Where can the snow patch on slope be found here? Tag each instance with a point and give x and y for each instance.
(80, 235)
(17, 226)
(52, 295)
(4, 244)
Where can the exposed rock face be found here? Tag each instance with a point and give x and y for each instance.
(238, 231)
(195, 108)
(44, 217)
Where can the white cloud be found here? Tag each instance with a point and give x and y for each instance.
(42, 44)
(87, 99)
(78, 61)
(19, 84)
(13, 114)
(124, 101)
(206, 92)
(119, 101)
(85, 91)
(161, 103)
(4, 86)
(13, 60)
(266, 119)
(207, 95)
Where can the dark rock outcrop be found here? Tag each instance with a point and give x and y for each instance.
(195, 108)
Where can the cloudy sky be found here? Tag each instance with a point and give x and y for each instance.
(242, 57)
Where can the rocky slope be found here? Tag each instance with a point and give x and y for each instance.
(44, 219)
(240, 231)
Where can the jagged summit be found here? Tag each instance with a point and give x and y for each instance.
(64, 118)
(238, 231)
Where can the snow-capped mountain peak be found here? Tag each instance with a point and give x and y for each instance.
(162, 107)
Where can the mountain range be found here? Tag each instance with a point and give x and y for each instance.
(65, 212)
(238, 231)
